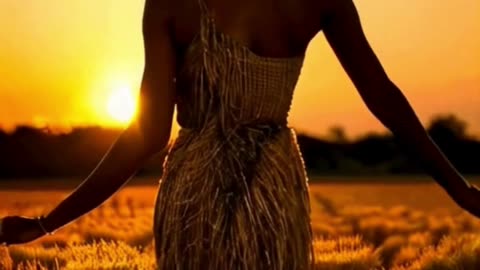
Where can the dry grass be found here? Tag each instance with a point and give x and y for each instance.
(356, 226)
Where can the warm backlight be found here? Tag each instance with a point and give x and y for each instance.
(121, 105)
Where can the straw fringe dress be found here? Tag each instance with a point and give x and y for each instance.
(233, 194)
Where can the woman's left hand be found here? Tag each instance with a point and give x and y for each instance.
(19, 230)
(468, 198)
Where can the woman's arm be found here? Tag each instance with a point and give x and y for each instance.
(147, 134)
(384, 99)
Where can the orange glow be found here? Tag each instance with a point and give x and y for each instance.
(64, 63)
(112, 101)
(121, 105)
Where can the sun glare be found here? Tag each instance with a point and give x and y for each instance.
(121, 105)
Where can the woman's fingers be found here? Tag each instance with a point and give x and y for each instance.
(3, 231)
(2, 237)
(3, 240)
(19, 230)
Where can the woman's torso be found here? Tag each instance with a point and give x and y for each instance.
(240, 67)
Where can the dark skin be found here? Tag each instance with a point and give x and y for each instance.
(270, 28)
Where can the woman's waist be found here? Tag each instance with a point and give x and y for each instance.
(245, 142)
(220, 129)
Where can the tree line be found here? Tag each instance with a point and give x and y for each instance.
(29, 152)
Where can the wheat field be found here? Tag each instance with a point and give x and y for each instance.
(356, 226)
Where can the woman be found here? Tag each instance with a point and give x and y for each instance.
(234, 193)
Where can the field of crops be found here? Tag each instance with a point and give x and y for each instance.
(357, 226)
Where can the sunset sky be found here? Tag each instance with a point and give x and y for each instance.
(66, 63)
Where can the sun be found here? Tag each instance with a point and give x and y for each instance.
(121, 105)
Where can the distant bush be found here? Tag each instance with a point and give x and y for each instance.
(31, 153)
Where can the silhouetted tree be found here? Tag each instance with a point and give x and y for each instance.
(447, 128)
(450, 133)
(337, 134)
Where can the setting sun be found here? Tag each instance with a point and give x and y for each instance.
(121, 105)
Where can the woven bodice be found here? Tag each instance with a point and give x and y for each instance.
(223, 83)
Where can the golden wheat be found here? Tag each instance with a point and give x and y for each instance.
(361, 236)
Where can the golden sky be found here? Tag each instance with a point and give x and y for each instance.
(61, 62)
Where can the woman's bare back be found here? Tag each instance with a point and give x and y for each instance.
(269, 28)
